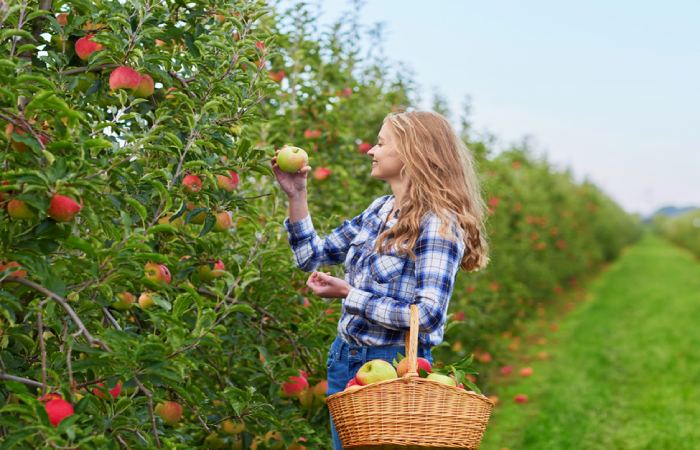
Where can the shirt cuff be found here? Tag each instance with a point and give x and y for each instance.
(356, 301)
(299, 230)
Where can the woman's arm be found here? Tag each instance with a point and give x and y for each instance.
(298, 207)
(312, 251)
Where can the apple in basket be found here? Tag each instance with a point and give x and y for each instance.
(374, 371)
(440, 378)
(352, 385)
(402, 366)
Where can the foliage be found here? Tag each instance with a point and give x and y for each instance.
(234, 81)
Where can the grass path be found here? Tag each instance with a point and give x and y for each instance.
(625, 370)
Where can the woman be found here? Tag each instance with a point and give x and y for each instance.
(405, 248)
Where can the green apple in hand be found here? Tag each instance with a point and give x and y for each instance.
(291, 159)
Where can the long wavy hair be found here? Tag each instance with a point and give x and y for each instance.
(442, 178)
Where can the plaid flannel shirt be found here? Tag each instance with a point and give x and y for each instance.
(376, 310)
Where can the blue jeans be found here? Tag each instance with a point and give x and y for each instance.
(344, 360)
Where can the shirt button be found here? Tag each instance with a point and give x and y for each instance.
(353, 352)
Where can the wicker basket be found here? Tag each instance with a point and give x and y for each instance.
(410, 412)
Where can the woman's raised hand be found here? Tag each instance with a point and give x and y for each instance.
(292, 183)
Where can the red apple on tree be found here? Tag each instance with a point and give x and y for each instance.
(483, 357)
(63, 208)
(320, 390)
(192, 183)
(526, 371)
(277, 76)
(125, 300)
(17, 145)
(227, 183)
(124, 77)
(521, 398)
(291, 159)
(16, 273)
(295, 385)
(84, 47)
(62, 19)
(114, 392)
(157, 273)
(364, 147)
(58, 409)
(322, 173)
(223, 221)
(228, 426)
(145, 87)
(170, 412)
(312, 134)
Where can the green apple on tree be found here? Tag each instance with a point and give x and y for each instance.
(207, 274)
(18, 209)
(146, 300)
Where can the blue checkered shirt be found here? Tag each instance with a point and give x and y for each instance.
(376, 310)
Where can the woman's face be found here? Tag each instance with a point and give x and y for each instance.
(386, 164)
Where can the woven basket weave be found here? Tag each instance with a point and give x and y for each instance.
(410, 412)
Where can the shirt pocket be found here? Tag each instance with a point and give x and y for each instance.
(385, 268)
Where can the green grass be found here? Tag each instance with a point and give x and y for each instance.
(625, 366)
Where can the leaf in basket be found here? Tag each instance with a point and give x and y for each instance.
(472, 386)
(461, 377)
(422, 372)
(396, 362)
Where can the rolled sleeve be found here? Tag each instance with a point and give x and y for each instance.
(299, 231)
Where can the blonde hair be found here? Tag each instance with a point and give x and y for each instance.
(441, 177)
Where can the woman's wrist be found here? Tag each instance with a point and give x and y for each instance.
(297, 195)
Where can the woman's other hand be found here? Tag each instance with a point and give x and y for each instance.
(324, 285)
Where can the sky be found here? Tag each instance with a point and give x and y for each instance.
(608, 89)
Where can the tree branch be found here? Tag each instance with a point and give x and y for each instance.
(149, 398)
(62, 301)
(27, 381)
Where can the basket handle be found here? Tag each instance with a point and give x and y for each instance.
(412, 344)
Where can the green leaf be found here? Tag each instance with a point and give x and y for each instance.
(163, 303)
(16, 32)
(242, 308)
(163, 228)
(80, 244)
(140, 209)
